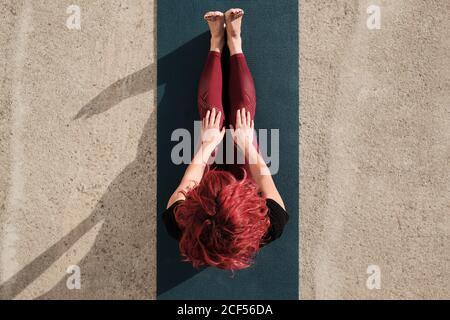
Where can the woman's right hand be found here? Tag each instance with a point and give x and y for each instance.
(244, 131)
(211, 134)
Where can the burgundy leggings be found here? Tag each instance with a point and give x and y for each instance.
(241, 93)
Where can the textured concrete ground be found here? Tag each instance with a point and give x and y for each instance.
(77, 149)
(375, 149)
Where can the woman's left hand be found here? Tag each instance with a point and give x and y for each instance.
(211, 135)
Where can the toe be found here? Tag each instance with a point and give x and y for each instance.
(209, 15)
(236, 12)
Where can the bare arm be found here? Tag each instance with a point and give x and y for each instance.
(243, 136)
(261, 174)
(211, 136)
(193, 174)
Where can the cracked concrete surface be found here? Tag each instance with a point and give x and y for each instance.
(78, 162)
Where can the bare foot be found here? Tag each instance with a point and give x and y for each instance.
(233, 20)
(216, 23)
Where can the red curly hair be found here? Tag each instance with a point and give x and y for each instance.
(223, 221)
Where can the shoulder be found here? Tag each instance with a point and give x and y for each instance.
(170, 222)
(278, 219)
(276, 210)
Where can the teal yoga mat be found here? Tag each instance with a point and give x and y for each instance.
(270, 38)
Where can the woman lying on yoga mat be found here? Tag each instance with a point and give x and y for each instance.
(223, 217)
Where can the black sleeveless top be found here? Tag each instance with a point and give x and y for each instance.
(277, 215)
